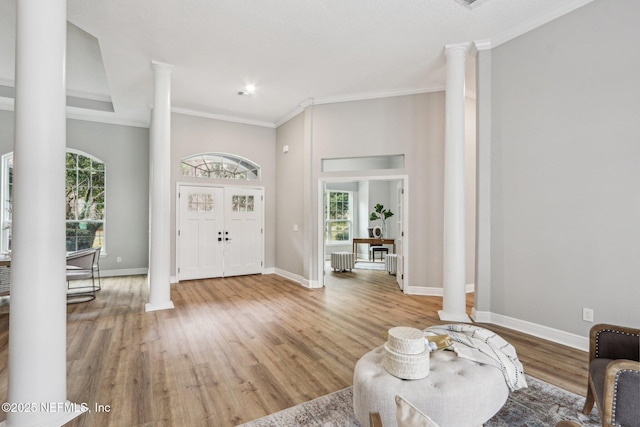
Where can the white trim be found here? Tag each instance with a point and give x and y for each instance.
(322, 181)
(103, 117)
(125, 272)
(222, 117)
(353, 97)
(479, 45)
(555, 335)
(538, 21)
(166, 306)
(7, 104)
(375, 95)
(290, 115)
(75, 113)
(293, 277)
(431, 291)
(453, 317)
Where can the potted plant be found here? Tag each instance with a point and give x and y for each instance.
(382, 214)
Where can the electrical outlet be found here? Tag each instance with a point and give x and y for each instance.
(119, 259)
(587, 315)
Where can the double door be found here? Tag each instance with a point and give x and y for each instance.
(220, 232)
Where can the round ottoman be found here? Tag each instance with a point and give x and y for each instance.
(457, 392)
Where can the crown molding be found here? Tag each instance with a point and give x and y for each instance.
(375, 95)
(538, 21)
(354, 97)
(222, 117)
(103, 117)
(290, 115)
(480, 45)
(8, 104)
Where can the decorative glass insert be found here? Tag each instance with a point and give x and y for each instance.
(221, 166)
(242, 203)
(200, 202)
(85, 201)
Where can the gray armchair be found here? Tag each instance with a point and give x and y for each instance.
(614, 375)
(80, 266)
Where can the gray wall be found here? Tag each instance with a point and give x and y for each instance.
(290, 197)
(411, 125)
(125, 151)
(194, 135)
(566, 182)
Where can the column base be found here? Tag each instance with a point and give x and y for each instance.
(51, 418)
(155, 307)
(454, 317)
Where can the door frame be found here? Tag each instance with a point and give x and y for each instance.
(210, 185)
(321, 223)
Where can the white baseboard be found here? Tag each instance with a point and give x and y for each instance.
(270, 270)
(311, 284)
(540, 331)
(124, 272)
(432, 291)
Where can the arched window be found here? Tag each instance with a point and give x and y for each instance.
(220, 165)
(84, 201)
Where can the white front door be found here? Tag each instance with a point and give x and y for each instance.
(220, 232)
(200, 232)
(243, 231)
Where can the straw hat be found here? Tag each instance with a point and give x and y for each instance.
(406, 355)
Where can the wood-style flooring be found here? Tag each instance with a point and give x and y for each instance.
(236, 349)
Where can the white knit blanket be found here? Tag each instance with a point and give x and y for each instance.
(483, 346)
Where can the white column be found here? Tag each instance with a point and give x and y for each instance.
(482, 307)
(454, 272)
(160, 191)
(38, 314)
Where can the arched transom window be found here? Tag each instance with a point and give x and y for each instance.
(220, 165)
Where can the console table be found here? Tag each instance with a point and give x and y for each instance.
(372, 241)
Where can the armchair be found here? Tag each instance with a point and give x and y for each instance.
(614, 375)
(81, 266)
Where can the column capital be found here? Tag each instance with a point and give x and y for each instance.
(157, 65)
(457, 47)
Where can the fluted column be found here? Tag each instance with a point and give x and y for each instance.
(454, 271)
(38, 315)
(160, 191)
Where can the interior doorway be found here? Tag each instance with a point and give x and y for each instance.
(219, 231)
(365, 192)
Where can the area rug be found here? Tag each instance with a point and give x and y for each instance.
(369, 265)
(539, 405)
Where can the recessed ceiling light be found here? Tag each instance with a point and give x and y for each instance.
(248, 90)
(470, 3)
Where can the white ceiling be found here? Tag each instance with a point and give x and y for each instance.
(292, 50)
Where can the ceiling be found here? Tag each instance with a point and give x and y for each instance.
(291, 50)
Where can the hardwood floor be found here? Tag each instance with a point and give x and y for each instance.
(236, 349)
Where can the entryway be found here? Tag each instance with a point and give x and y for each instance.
(220, 231)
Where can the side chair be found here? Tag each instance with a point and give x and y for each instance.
(80, 266)
(614, 375)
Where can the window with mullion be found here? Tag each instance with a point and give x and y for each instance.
(338, 216)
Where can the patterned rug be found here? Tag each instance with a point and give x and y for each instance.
(539, 405)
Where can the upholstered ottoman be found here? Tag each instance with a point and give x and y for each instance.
(342, 261)
(457, 392)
